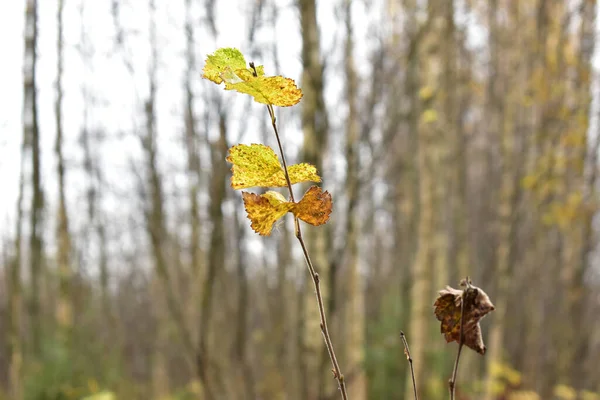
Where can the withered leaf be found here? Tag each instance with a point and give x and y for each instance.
(265, 210)
(315, 206)
(447, 309)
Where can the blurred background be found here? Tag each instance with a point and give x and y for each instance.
(457, 137)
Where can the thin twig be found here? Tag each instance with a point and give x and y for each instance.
(452, 381)
(410, 362)
(315, 276)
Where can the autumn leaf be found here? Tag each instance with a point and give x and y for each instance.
(448, 311)
(263, 211)
(314, 207)
(229, 65)
(258, 165)
(225, 65)
(274, 90)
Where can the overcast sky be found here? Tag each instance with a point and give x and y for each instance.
(118, 95)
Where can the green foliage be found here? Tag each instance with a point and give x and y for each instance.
(62, 373)
(384, 348)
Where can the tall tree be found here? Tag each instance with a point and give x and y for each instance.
(15, 289)
(32, 137)
(315, 127)
(354, 312)
(216, 255)
(64, 312)
(192, 141)
(156, 220)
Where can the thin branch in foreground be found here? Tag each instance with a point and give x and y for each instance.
(314, 275)
(452, 381)
(410, 362)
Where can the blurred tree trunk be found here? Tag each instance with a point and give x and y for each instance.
(156, 226)
(192, 143)
(32, 134)
(420, 276)
(216, 253)
(15, 291)
(64, 312)
(244, 370)
(576, 195)
(314, 357)
(502, 122)
(354, 309)
(156, 220)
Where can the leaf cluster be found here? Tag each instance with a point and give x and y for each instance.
(257, 165)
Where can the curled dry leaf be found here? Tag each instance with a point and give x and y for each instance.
(448, 311)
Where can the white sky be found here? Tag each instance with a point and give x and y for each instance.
(118, 96)
(117, 108)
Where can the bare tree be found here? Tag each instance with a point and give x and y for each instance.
(64, 312)
(32, 138)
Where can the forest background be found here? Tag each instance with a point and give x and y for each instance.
(456, 137)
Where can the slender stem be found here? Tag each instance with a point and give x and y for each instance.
(287, 176)
(452, 382)
(314, 275)
(410, 362)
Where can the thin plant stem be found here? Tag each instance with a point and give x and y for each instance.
(314, 275)
(452, 382)
(410, 362)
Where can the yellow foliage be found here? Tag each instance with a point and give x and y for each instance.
(426, 92)
(587, 395)
(315, 206)
(274, 90)
(505, 372)
(524, 395)
(258, 165)
(229, 65)
(565, 392)
(263, 211)
(529, 181)
(101, 396)
(429, 116)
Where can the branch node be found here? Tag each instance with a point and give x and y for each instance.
(410, 362)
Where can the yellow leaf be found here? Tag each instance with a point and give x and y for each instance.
(565, 392)
(523, 395)
(587, 395)
(258, 165)
(101, 396)
(429, 116)
(315, 206)
(426, 92)
(529, 181)
(265, 210)
(222, 63)
(303, 172)
(229, 65)
(274, 90)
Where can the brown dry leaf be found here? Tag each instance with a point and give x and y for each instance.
(265, 210)
(448, 311)
(314, 208)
